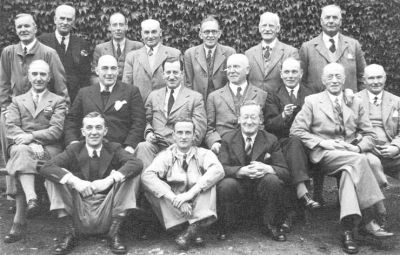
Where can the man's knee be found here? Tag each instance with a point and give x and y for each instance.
(227, 189)
(19, 149)
(270, 183)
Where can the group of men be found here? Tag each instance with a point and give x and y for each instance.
(142, 113)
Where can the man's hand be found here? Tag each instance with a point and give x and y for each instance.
(180, 199)
(262, 169)
(348, 97)
(151, 137)
(130, 149)
(247, 171)
(216, 147)
(388, 151)
(186, 209)
(288, 110)
(332, 145)
(101, 185)
(37, 149)
(24, 139)
(83, 187)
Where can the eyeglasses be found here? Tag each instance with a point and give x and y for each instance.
(234, 68)
(210, 32)
(176, 73)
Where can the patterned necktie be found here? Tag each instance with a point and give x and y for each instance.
(36, 100)
(333, 47)
(339, 114)
(209, 60)
(267, 53)
(247, 148)
(63, 43)
(171, 101)
(376, 101)
(25, 51)
(184, 163)
(118, 50)
(151, 51)
(238, 94)
(292, 96)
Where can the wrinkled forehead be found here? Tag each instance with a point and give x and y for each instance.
(237, 59)
(251, 109)
(269, 19)
(107, 60)
(333, 69)
(290, 64)
(150, 24)
(117, 18)
(65, 10)
(25, 19)
(39, 67)
(374, 70)
(331, 11)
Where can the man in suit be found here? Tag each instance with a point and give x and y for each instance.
(338, 135)
(164, 106)
(383, 110)
(255, 170)
(328, 47)
(180, 184)
(72, 50)
(34, 123)
(118, 46)
(280, 110)
(266, 57)
(205, 64)
(120, 104)
(91, 185)
(223, 104)
(143, 67)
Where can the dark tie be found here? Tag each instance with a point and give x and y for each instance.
(209, 60)
(267, 53)
(63, 43)
(95, 154)
(333, 47)
(238, 95)
(94, 166)
(339, 114)
(118, 50)
(25, 51)
(376, 101)
(184, 163)
(105, 95)
(292, 96)
(210, 84)
(151, 51)
(171, 101)
(247, 147)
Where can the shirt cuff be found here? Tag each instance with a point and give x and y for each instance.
(66, 178)
(117, 176)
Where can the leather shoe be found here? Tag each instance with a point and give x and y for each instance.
(32, 208)
(116, 246)
(66, 245)
(373, 228)
(276, 233)
(183, 240)
(349, 245)
(309, 203)
(222, 236)
(17, 232)
(199, 241)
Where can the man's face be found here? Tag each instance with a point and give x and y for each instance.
(236, 70)
(151, 34)
(183, 135)
(249, 119)
(268, 28)
(107, 70)
(64, 20)
(118, 27)
(39, 77)
(291, 73)
(374, 79)
(210, 33)
(26, 29)
(331, 21)
(94, 130)
(333, 79)
(172, 74)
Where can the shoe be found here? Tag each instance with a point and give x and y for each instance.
(184, 239)
(114, 239)
(222, 236)
(382, 220)
(17, 232)
(287, 225)
(32, 208)
(277, 234)
(309, 203)
(66, 245)
(374, 229)
(349, 245)
(199, 241)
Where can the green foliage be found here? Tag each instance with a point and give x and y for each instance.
(373, 22)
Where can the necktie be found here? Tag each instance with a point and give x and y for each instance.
(333, 47)
(105, 95)
(339, 114)
(238, 94)
(171, 101)
(151, 51)
(95, 154)
(267, 53)
(209, 60)
(63, 43)
(25, 51)
(376, 101)
(292, 96)
(118, 50)
(94, 165)
(184, 163)
(247, 147)
(210, 83)
(36, 100)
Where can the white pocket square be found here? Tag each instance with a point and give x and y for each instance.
(395, 114)
(118, 104)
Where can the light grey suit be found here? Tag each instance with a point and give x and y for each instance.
(268, 78)
(137, 70)
(197, 72)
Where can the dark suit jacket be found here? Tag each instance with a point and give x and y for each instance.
(274, 122)
(232, 154)
(75, 159)
(125, 125)
(78, 76)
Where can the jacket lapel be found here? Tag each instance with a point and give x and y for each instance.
(321, 49)
(342, 46)
(95, 96)
(364, 100)
(259, 57)
(27, 101)
(284, 96)
(83, 161)
(387, 109)
(219, 58)
(160, 99)
(144, 60)
(347, 113)
(114, 96)
(105, 159)
(238, 147)
(201, 57)
(226, 95)
(109, 49)
(251, 93)
(74, 46)
(276, 55)
(258, 147)
(161, 55)
(45, 101)
(326, 108)
(180, 100)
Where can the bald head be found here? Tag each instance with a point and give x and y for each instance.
(235, 58)
(107, 70)
(150, 23)
(39, 64)
(65, 9)
(39, 75)
(374, 78)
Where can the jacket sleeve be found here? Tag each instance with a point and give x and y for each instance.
(127, 76)
(212, 135)
(59, 76)
(274, 122)
(138, 119)
(199, 117)
(189, 72)
(130, 165)
(278, 162)
(5, 79)
(73, 121)
(361, 63)
(230, 166)
(13, 121)
(56, 168)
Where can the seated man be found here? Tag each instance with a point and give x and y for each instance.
(281, 108)
(164, 106)
(383, 110)
(327, 126)
(180, 184)
(34, 123)
(254, 169)
(91, 185)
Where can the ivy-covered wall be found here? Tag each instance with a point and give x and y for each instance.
(375, 23)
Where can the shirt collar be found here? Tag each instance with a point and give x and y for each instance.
(29, 46)
(326, 39)
(271, 45)
(90, 150)
(176, 90)
(103, 88)
(39, 94)
(234, 87)
(333, 98)
(372, 96)
(295, 89)
(155, 49)
(212, 50)
(59, 37)
(178, 154)
(121, 44)
(253, 138)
